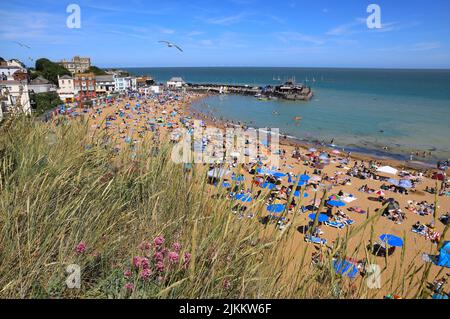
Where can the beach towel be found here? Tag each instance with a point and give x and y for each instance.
(335, 224)
(315, 240)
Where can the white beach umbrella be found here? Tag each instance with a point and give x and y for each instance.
(387, 170)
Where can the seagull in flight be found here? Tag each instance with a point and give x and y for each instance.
(22, 45)
(171, 45)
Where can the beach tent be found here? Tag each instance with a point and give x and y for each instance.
(345, 268)
(444, 256)
(387, 170)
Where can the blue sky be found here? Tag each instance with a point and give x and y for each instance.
(320, 33)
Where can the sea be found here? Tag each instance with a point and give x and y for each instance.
(388, 113)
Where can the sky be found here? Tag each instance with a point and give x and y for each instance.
(283, 33)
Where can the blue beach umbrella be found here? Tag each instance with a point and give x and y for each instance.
(404, 183)
(393, 181)
(244, 198)
(391, 240)
(263, 170)
(268, 185)
(225, 185)
(312, 150)
(297, 194)
(336, 203)
(345, 268)
(238, 178)
(278, 174)
(275, 208)
(322, 217)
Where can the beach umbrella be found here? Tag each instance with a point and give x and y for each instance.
(312, 150)
(336, 203)
(336, 152)
(304, 178)
(244, 198)
(218, 173)
(268, 185)
(322, 217)
(276, 208)
(345, 268)
(297, 194)
(323, 156)
(262, 170)
(278, 174)
(235, 154)
(404, 183)
(391, 240)
(387, 170)
(380, 193)
(238, 178)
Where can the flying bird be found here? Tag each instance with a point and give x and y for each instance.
(22, 45)
(171, 45)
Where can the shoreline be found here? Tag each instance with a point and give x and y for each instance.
(356, 153)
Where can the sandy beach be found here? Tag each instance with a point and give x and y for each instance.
(130, 120)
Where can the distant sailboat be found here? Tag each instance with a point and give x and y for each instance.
(306, 80)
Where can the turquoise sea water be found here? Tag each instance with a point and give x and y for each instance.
(361, 109)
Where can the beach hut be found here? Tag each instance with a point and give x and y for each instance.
(387, 170)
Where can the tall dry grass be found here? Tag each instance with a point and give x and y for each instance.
(60, 186)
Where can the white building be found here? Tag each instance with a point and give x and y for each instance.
(127, 83)
(41, 85)
(66, 89)
(105, 84)
(175, 82)
(150, 90)
(9, 68)
(14, 98)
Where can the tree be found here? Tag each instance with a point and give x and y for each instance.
(96, 71)
(50, 70)
(46, 101)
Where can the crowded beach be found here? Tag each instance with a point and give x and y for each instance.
(322, 192)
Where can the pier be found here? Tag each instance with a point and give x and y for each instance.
(287, 91)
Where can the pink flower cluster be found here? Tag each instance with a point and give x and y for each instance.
(155, 263)
(80, 248)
